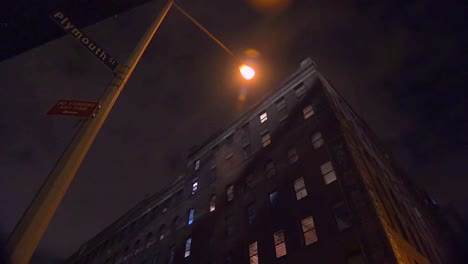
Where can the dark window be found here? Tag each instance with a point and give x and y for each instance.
(175, 223)
(230, 193)
(270, 169)
(252, 214)
(342, 216)
(171, 254)
(355, 258)
(162, 232)
(300, 90)
(266, 139)
(229, 225)
(292, 155)
(246, 151)
(229, 139)
(212, 174)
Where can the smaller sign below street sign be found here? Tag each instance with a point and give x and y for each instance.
(74, 108)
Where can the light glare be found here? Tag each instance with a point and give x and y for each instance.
(246, 71)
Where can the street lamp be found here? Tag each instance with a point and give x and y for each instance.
(246, 71)
(32, 225)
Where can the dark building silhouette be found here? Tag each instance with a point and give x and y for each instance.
(299, 178)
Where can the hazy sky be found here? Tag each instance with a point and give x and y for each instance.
(399, 64)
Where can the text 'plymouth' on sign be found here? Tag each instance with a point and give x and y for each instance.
(80, 36)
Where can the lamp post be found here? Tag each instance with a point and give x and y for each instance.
(32, 225)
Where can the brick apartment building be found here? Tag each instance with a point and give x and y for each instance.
(298, 178)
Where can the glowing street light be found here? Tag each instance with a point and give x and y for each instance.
(247, 72)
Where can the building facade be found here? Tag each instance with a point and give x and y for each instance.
(299, 178)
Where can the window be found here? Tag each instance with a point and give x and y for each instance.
(229, 139)
(253, 253)
(342, 216)
(175, 223)
(317, 140)
(137, 245)
(292, 155)
(263, 117)
(307, 111)
(149, 239)
(274, 199)
(252, 214)
(328, 172)
(194, 187)
(213, 202)
(229, 225)
(162, 232)
(270, 169)
(212, 173)
(229, 161)
(308, 229)
(246, 151)
(300, 188)
(197, 165)
(280, 244)
(281, 103)
(171, 254)
(245, 132)
(230, 193)
(266, 139)
(355, 258)
(188, 245)
(251, 180)
(300, 90)
(191, 214)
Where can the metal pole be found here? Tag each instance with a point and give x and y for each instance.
(31, 227)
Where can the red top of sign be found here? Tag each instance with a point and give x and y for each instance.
(82, 109)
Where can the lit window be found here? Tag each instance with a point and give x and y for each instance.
(252, 214)
(194, 187)
(171, 254)
(317, 140)
(247, 151)
(300, 90)
(308, 229)
(230, 193)
(266, 139)
(328, 173)
(300, 188)
(274, 199)
(253, 253)
(229, 225)
(280, 244)
(270, 169)
(263, 117)
(191, 216)
(212, 203)
(292, 155)
(197, 164)
(342, 216)
(308, 111)
(188, 245)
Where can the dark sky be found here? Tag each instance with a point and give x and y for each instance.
(401, 65)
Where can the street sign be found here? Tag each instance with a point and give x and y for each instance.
(80, 36)
(81, 109)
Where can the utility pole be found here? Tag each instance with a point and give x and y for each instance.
(28, 232)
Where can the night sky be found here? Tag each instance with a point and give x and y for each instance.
(401, 64)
